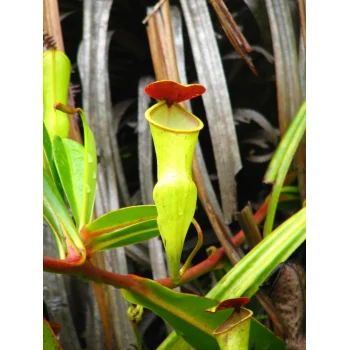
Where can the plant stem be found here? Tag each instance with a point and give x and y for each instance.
(91, 272)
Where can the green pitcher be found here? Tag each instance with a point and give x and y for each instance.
(175, 132)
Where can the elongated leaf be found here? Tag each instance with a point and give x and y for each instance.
(289, 96)
(69, 159)
(57, 216)
(93, 68)
(282, 161)
(49, 338)
(176, 20)
(184, 312)
(126, 236)
(122, 227)
(188, 316)
(288, 139)
(117, 219)
(246, 277)
(56, 228)
(260, 338)
(258, 9)
(289, 88)
(216, 100)
(90, 169)
(48, 160)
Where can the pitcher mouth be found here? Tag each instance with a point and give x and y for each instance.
(174, 118)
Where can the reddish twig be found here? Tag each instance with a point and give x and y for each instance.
(95, 274)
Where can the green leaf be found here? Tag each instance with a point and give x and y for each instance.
(117, 219)
(184, 312)
(121, 227)
(50, 341)
(57, 216)
(260, 338)
(283, 146)
(69, 159)
(90, 169)
(249, 273)
(129, 235)
(187, 314)
(48, 160)
(281, 162)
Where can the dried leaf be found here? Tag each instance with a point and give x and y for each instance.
(93, 68)
(288, 295)
(246, 115)
(233, 32)
(216, 100)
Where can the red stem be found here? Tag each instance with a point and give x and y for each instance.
(91, 272)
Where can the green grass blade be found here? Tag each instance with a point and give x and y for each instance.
(277, 159)
(246, 277)
(280, 164)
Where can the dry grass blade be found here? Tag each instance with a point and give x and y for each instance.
(289, 92)
(258, 9)
(160, 45)
(153, 10)
(206, 192)
(93, 68)
(52, 23)
(233, 33)
(302, 67)
(145, 154)
(302, 14)
(118, 165)
(94, 336)
(251, 231)
(216, 101)
(245, 115)
(286, 61)
(199, 167)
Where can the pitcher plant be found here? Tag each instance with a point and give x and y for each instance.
(175, 132)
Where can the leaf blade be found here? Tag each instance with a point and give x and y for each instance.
(54, 204)
(69, 160)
